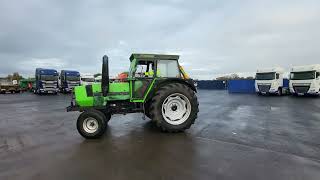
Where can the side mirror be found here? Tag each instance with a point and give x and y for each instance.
(105, 75)
(277, 76)
(318, 75)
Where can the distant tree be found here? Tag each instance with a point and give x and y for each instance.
(14, 76)
(9, 77)
(228, 77)
(232, 76)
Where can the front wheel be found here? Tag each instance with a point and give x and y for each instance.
(174, 107)
(91, 124)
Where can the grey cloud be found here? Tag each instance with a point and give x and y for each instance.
(213, 37)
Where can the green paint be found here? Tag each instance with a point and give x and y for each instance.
(142, 100)
(119, 87)
(97, 99)
(81, 96)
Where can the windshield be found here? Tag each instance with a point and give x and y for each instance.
(302, 75)
(88, 79)
(49, 78)
(73, 78)
(265, 76)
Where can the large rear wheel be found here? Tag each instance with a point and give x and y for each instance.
(174, 107)
(92, 124)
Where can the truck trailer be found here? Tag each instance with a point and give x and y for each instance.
(46, 81)
(271, 81)
(69, 80)
(9, 86)
(87, 79)
(305, 80)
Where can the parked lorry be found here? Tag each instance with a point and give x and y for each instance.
(9, 86)
(305, 80)
(98, 79)
(69, 80)
(156, 86)
(271, 81)
(87, 79)
(46, 81)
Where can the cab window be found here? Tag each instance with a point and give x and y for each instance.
(144, 69)
(168, 68)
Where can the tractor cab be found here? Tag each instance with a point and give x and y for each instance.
(148, 75)
(146, 69)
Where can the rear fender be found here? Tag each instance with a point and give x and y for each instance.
(162, 82)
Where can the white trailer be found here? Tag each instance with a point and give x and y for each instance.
(271, 81)
(98, 79)
(305, 80)
(87, 79)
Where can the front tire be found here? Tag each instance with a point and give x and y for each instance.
(174, 107)
(91, 124)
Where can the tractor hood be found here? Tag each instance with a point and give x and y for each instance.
(91, 95)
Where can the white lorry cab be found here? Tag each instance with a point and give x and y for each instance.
(271, 81)
(87, 79)
(305, 80)
(98, 79)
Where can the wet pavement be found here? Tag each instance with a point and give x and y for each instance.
(236, 136)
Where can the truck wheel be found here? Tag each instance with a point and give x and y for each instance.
(280, 91)
(174, 107)
(91, 124)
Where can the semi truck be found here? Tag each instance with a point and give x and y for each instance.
(305, 80)
(69, 80)
(46, 81)
(87, 79)
(271, 81)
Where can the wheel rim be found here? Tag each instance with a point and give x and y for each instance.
(176, 109)
(90, 125)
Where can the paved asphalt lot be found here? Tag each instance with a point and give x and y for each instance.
(236, 136)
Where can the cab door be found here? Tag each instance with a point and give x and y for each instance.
(141, 80)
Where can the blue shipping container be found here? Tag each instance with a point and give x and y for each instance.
(212, 84)
(241, 86)
(286, 83)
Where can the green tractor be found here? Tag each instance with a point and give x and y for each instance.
(156, 86)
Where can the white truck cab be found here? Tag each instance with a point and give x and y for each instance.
(271, 81)
(87, 79)
(305, 80)
(98, 79)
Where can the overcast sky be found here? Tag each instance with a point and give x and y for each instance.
(212, 37)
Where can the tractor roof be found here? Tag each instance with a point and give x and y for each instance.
(153, 57)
